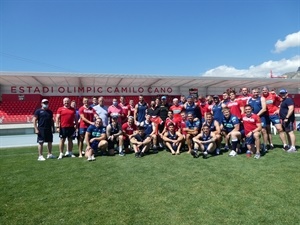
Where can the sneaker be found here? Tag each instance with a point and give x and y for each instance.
(232, 153)
(121, 153)
(285, 148)
(205, 154)
(291, 150)
(194, 153)
(82, 152)
(93, 158)
(89, 159)
(142, 154)
(50, 156)
(61, 155)
(137, 155)
(72, 155)
(271, 146)
(226, 148)
(217, 151)
(41, 158)
(161, 145)
(257, 156)
(67, 153)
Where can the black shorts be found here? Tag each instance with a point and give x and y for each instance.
(288, 126)
(44, 135)
(66, 132)
(111, 144)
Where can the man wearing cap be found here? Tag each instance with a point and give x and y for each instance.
(287, 116)
(44, 127)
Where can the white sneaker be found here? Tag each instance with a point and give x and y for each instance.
(232, 153)
(292, 149)
(61, 155)
(90, 159)
(72, 155)
(67, 153)
(41, 158)
(50, 156)
(93, 158)
(257, 156)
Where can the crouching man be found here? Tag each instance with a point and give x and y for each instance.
(205, 141)
(140, 142)
(95, 138)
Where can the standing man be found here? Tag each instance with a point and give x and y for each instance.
(102, 111)
(87, 118)
(287, 116)
(140, 110)
(44, 126)
(66, 125)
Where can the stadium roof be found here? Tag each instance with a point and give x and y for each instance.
(89, 79)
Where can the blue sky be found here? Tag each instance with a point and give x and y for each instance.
(207, 38)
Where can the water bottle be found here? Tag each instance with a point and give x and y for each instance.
(248, 153)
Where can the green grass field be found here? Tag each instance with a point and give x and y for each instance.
(155, 189)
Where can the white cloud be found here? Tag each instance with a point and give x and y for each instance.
(291, 40)
(263, 70)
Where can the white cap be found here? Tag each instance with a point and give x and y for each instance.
(45, 100)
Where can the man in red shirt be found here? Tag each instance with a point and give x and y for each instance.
(243, 99)
(87, 115)
(66, 125)
(252, 127)
(176, 110)
(128, 130)
(125, 109)
(234, 105)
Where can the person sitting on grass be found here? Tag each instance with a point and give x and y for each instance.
(150, 130)
(140, 142)
(95, 138)
(253, 127)
(192, 130)
(114, 136)
(205, 141)
(173, 139)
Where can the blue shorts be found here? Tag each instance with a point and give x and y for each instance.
(250, 140)
(94, 146)
(263, 121)
(82, 131)
(242, 133)
(275, 119)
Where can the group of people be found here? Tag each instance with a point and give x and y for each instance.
(196, 125)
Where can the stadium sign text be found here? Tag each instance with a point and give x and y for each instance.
(90, 90)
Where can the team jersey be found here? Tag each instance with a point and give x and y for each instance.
(250, 122)
(255, 103)
(204, 108)
(271, 100)
(114, 129)
(235, 108)
(147, 126)
(172, 136)
(141, 111)
(115, 111)
(96, 131)
(176, 109)
(193, 125)
(67, 116)
(168, 121)
(211, 125)
(243, 99)
(191, 108)
(88, 113)
(128, 129)
(229, 123)
(125, 108)
(217, 112)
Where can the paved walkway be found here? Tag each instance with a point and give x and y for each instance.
(22, 140)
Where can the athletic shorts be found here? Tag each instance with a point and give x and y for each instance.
(263, 121)
(94, 146)
(44, 135)
(250, 140)
(66, 132)
(82, 131)
(288, 126)
(275, 119)
(111, 143)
